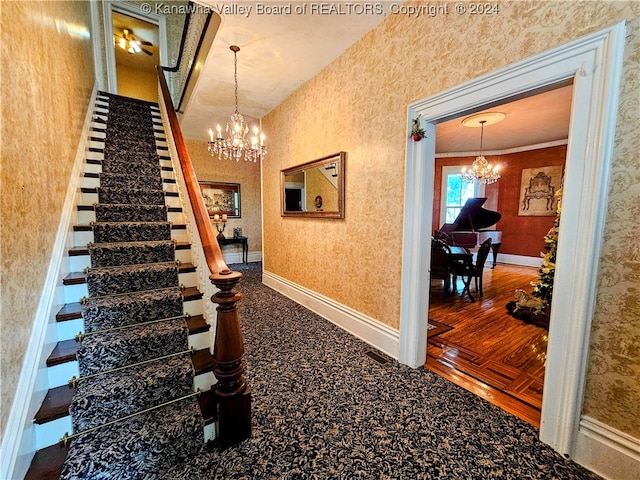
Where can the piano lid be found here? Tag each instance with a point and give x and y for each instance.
(473, 217)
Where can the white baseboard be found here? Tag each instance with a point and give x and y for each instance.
(606, 451)
(230, 257)
(517, 260)
(375, 333)
(18, 441)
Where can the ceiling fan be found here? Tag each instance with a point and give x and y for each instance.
(130, 43)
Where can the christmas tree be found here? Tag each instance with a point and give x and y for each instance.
(543, 288)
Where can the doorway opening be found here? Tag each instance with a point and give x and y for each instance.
(594, 62)
(129, 71)
(136, 53)
(492, 350)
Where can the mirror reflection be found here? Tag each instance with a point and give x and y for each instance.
(315, 189)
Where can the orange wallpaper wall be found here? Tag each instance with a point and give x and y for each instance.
(46, 83)
(358, 104)
(520, 235)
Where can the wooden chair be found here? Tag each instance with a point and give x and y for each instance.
(470, 271)
(440, 264)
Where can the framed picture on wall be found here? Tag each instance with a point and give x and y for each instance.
(538, 187)
(221, 198)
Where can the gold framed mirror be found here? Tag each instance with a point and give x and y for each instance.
(314, 189)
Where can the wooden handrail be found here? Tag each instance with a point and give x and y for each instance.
(212, 252)
(232, 394)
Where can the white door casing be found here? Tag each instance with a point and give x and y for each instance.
(594, 62)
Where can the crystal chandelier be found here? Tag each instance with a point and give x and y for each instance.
(482, 171)
(235, 145)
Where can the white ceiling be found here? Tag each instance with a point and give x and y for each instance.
(279, 53)
(534, 120)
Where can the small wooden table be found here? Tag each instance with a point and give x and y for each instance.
(244, 241)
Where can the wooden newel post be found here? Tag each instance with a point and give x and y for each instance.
(232, 394)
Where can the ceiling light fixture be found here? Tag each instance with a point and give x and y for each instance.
(236, 144)
(482, 171)
(126, 43)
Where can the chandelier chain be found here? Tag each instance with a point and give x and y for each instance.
(235, 75)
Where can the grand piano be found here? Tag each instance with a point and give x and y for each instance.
(470, 227)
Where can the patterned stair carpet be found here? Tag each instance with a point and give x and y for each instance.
(134, 356)
(322, 409)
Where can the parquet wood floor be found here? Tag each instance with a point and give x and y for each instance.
(488, 350)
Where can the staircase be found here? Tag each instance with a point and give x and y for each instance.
(130, 395)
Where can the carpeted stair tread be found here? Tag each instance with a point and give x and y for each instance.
(107, 350)
(140, 163)
(113, 395)
(66, 350)
(144, 446)
(130, 129)
(140, 140)
(142, 167)
(142, 196)
(76, 251)
(116, 280)
(73, 310)
(58, 399)
(128, 118)
(78, 278)
(107, 232)
(116, 180)
(101, 313)
(130, 213)
(143, 146)
(129, 115)
(125, 163)
(131, 253)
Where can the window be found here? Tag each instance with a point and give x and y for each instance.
(455, 193)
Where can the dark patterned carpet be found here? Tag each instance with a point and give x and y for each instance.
(322, 409)
(134, 353)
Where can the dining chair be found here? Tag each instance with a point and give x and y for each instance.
(440, 264)
(469, 271)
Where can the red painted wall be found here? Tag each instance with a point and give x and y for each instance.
(520, 235)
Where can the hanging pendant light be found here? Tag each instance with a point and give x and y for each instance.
(235, 145)
(482, 171)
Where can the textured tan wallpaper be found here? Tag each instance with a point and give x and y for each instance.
(358, 104)
(47, 78)
(247, 174)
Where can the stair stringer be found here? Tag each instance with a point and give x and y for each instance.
(19, 439)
